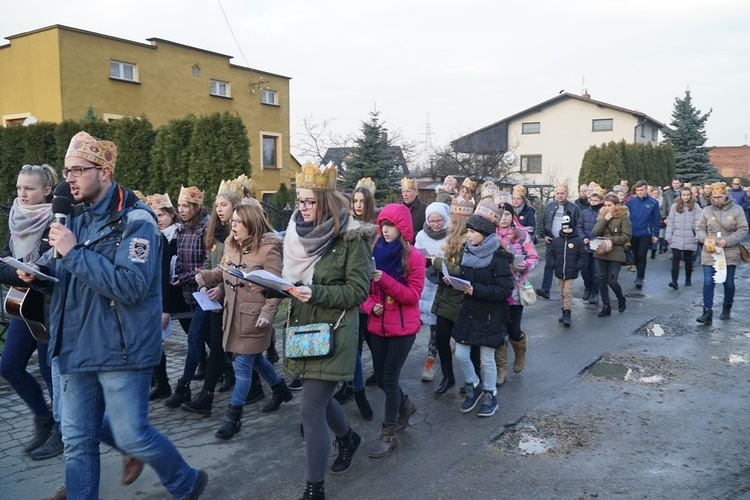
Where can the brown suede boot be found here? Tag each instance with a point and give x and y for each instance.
(385, 444)
(501, 361)
(404, 414)
(519, 350)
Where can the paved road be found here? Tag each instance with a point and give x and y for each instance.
(676, 427)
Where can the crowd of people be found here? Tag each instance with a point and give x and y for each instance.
(128, 264)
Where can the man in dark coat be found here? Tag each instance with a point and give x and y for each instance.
(416, 206)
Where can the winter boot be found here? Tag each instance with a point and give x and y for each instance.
(364, 406)
(519, 351)
(281, 394)
(43, 426)
(594, 299)
(606, 311)
(314, 491)
(180, 395)
(232, 423)
(256, 390)
(501, 361)
(408, 408)
(345, 393)
(229, 378)
(586, 294)
(726, 310)
(428, 374)
(653, 254)
(448, 378)
(566, 318)
(385, 444)
(346, 447)
(673, 283)
(562, 316)
(160, 388)
(621, 304)
(272, 355)
(201, 404)
(51, 448)
(707, 317)
(200, 373)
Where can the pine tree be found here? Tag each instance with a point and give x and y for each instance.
(688, 136)
(371, 158)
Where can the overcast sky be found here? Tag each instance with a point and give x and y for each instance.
(465, 64)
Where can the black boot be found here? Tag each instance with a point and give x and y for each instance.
(201, 404)
(586, 294)
(51, 448)
(726, 310)
(160, 388)
(621, 303)
(566, 318)
(43, 427)
(345, 393)
(562, 316)
(200, 374)
(180, 395)
(448, 380)
(281, 394)
(687, 279)
(232, 423)
(606, 311)
(256, 390)
(314, 491)
(707, 317)
(229, 378)
(370, 382)
(653, 254)
(272, 355)
(364, 406)
(346, 447)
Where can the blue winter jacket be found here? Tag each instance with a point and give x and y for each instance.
(106, 309)
(587, 222)
(645, 217)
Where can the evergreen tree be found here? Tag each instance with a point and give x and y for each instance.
(588, 172)
(134, 139)
(169, 157)
(611, 170)
(281, 207)
(371, 157)
(688, 137)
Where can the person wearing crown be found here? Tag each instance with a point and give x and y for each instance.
(327, 256)
(417, 207)
(468, 188)
(447, 190)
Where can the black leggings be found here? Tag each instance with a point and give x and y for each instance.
(687, 256)
(514, 328)
(608, 272)
(388, 357)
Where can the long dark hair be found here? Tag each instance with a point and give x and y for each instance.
(368, 213)
(690, 204)
(214, 222)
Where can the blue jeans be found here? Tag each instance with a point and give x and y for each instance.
(19, 346)
(709, 286)
(243, 372)
(125, 394)
(199, 326)
(548, 269)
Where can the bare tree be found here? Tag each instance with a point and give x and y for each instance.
(315, 137)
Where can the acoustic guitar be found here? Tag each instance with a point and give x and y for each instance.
(27, 304)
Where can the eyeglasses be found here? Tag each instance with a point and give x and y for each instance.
(31, 167)
(308, 204)
(77, 171)
(439, 221)
(233, 221)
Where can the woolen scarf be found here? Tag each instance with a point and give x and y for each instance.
(388, 258)
(435, 235)
(304, 245)
(478, 257)
(27, 224)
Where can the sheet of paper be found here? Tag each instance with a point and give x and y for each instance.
(173, 266)
(456, 283)
(205, 303)
(27, 269)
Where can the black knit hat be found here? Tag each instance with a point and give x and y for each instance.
(506, 207)
(481, 225)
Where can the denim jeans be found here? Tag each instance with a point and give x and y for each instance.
(125, 394)
(709, 286)
(549, 270)
(56, 401)
(19, 346)
(588, 272)
(358, 383)
(199, 325)
(388, 357)
(243, 372)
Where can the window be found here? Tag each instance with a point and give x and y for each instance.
(531, 164)
(196, 71)
(530, 128)
(269, 97)
(16, 119)
(123, 71)
(655, 134)
(219, 88)
(270, 151)
(601, 125)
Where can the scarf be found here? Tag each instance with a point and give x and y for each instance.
(27, 224)
(480, 256)
(304, 245)
(432, 234)
(388, 258)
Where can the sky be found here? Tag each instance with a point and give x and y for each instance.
(457, 66)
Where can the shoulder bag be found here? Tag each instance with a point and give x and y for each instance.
(313, 341)
(526, 293)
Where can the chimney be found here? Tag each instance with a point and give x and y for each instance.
(586, 94)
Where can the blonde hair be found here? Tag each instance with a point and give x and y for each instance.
(455, 238)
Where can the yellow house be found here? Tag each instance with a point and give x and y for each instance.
(56, 73)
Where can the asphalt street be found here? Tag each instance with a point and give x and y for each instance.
(669, 418)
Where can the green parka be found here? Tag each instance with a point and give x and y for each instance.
(447, 299)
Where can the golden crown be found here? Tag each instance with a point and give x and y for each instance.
(232, 188)
(99, 152)
(191, 195)
(366, 183)
(469, 184)
(159, 201)
(140, 196)
(248, 186)
(462, 207)
(407, 183)
(318, 178)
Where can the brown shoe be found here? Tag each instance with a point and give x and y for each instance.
(404, 414)
(60, 494)
(131, 469)
(501, 362)
(385, 444)
(519, 350)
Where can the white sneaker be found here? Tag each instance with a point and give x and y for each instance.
(428, 374)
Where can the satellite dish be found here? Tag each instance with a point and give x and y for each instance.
(30, 120)
(509, 158)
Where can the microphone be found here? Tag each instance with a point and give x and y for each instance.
(61, 206)
(62, 189)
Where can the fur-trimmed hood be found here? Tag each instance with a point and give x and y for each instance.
(356, 229)
(617, 211)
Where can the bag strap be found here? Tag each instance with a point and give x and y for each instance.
(289, 315)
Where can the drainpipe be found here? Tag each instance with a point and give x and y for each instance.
(635, 130)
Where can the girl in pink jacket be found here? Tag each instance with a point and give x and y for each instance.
(393, 308)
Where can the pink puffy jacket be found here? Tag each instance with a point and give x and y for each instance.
(400, 300)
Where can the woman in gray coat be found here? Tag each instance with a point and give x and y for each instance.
(681, 226)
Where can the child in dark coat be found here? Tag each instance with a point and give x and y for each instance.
(568, 258)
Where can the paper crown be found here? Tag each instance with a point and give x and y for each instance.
(318, 178)
(159, 201)
(232, 188)
(248, 186)
(463, 208)
(488, 209)
(366, 183)
(718, 189)
(469, 184)
(449, 184)
(407, 183)
(502, 197)
(140, 196)
(191, 195)
(83, 145)
(519, 190)
(489, 190)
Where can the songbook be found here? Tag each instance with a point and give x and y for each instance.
(205, 303)
(456, 283)
(28, 269)
(261, 277)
